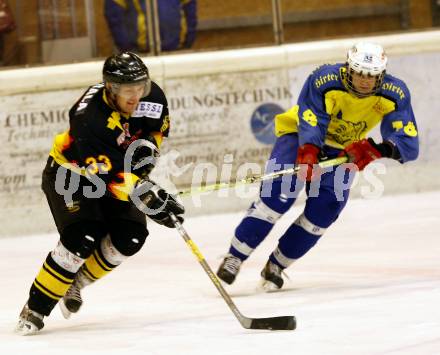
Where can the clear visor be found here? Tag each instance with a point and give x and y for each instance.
(132, 90)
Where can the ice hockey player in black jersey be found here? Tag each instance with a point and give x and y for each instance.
(97, 186)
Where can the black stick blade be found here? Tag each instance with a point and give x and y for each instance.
(274, 323)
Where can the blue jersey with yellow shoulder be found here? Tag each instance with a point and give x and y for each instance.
(328, 114)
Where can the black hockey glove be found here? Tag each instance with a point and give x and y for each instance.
(156, 203)
(144, 157)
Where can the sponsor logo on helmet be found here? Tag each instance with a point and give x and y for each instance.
(368, 58)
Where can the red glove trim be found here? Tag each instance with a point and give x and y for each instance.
(307, 157)
(362, 153)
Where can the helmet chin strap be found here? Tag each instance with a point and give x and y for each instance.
(348, 83)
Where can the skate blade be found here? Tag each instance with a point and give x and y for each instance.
(64, 311)
(267, 286)
(26, 328)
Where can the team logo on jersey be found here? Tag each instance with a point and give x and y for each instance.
(380, 108)
(346, 131)
(148, 109)
(124, 135)
(263, 124)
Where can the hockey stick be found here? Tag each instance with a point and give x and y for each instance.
(258, 178)
(271, 323)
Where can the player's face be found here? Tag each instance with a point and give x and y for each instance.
(364, 84)
(128, 97)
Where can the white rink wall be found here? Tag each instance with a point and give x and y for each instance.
(221, 104)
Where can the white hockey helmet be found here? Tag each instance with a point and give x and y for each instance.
(366, 59)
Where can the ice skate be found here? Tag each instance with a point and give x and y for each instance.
(72, 300)
(229, 269)
(30, 322)
(271, 277)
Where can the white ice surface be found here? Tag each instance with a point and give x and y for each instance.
(370, 286)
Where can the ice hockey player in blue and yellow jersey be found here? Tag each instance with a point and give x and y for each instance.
(337, 107)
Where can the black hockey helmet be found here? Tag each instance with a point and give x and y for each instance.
(125, 68)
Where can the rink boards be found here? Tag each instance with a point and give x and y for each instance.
(222, 105)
